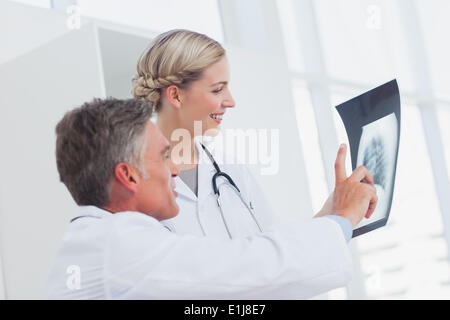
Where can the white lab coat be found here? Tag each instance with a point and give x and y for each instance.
(200, 215)
(130, 255)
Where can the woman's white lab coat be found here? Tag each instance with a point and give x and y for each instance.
(200, 215)
(130, 255)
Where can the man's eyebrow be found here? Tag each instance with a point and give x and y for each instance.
(165, 150)
(220, 82)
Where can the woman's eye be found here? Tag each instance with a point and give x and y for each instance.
(218, 90)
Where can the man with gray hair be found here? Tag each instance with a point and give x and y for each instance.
(115, 164)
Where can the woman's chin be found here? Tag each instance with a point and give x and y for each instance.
(213, 129)
(212, 132)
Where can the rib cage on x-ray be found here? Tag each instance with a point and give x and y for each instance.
(376, 152)
(374, 160)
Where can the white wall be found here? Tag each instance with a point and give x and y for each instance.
(119, 53)
(37, 88)
(24, 28)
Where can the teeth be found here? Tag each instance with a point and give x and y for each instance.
(216, 116)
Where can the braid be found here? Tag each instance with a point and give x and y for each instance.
(149, 88)
(176, 57)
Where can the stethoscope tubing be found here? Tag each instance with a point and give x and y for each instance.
(220, 173)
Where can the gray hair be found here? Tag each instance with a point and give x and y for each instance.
(92, 139)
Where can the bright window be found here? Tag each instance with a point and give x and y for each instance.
(310, 144)
(407, 259)
(363, 44)
(444, 121)
(363, 41)
(435, 23)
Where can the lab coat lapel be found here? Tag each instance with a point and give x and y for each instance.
(183, 190)
(205, 173)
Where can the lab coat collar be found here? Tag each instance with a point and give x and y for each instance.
(208, 143)
(96, 212)
(93, 211)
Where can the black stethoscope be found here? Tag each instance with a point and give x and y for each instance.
(220, 173)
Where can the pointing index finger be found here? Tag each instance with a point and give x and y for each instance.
(339, 165)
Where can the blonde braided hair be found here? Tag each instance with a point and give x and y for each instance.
(176, 57)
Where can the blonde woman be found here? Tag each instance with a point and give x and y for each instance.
(185, 75)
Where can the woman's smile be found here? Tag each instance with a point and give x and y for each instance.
(217, 117)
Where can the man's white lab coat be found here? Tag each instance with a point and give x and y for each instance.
(130, 255)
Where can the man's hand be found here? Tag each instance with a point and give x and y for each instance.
(327, 207)
(353, 199)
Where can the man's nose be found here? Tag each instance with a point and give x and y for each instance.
(173, 169)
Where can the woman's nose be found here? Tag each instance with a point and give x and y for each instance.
(229, 102)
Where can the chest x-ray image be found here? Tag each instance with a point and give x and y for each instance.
(372, 123)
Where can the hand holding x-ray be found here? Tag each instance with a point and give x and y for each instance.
(372, 123)
(352, 198)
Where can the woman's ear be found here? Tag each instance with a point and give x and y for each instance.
(127, 176)
(173, 95)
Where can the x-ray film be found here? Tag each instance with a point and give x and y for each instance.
(372, 122)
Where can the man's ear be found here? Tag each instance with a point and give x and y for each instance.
(173, 95)
(127, 176)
